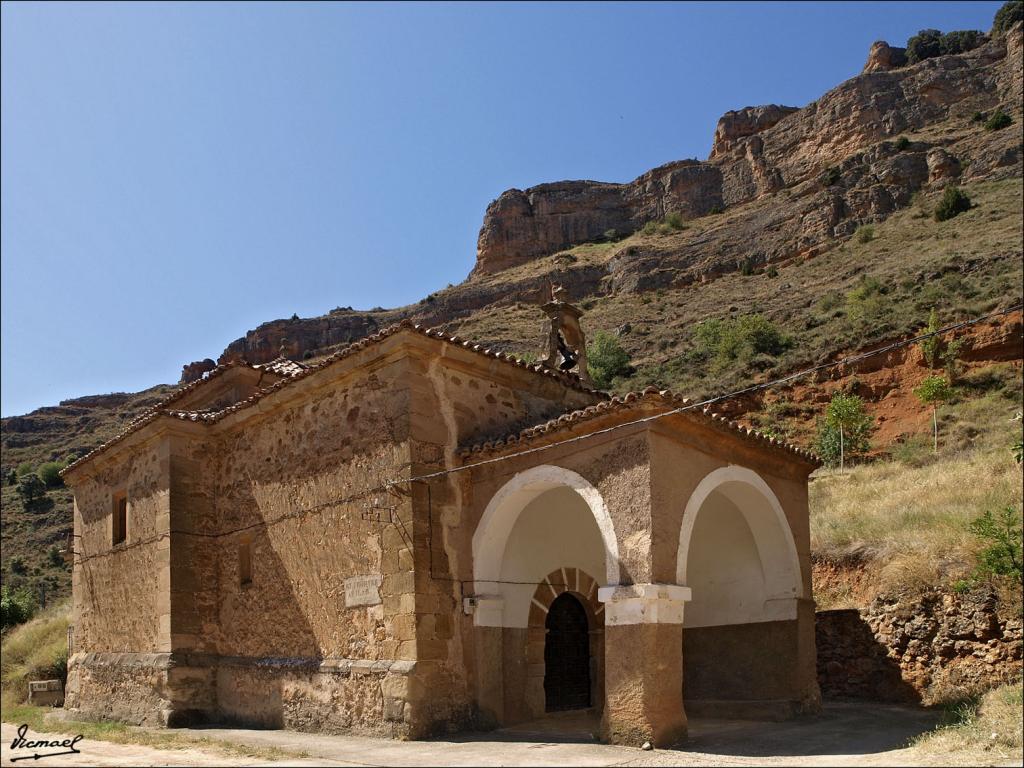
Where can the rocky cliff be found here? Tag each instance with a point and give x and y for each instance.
(837, 159)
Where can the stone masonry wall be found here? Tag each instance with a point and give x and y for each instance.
(924, 650)
(108, 578)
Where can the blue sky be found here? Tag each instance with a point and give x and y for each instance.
(175, 174)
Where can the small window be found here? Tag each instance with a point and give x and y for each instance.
(245, 562)
(120, 518)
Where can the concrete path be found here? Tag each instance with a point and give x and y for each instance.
(845, 734)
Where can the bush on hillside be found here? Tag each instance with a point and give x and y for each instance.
(998, 121)
(960, 41)
(929, 43)
(1002, 534)
(31, 489)
(867, 305)
(926, 44)
(865, 234)
(739, 339)
(23, 469)
(49, 473)
(15, 607)
(902, 143)
(606, 360)
(954, 202)
(1011, 12)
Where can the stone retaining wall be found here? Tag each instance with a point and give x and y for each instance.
(928, 649)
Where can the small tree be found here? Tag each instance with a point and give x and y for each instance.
(954, 202)
(847, 416)
(606, 359)
(24, 468)
(933, 391)
(930, 345)
(30, 488)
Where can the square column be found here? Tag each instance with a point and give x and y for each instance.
(643, 664)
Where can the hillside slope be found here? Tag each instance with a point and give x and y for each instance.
(819, 219)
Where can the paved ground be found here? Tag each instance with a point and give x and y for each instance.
(845, 734)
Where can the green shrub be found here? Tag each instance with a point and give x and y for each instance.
(54, 556)
(978, 117)
(716, 210)
(611, 235)
(954, 202)
(650, 228)
(960, 41)
(674, 221)
(865, 234)
(998, 120)
(49, 473)
(747, 267)
(1011, 12)
(739, 339)
(832, 176)
(15, 607)
(31, 489)
(867, 304)
(772, 271)
(926, 44)
(929, 43)
(902, 143)
(24, 468)
(1001, 532)
(606, 360)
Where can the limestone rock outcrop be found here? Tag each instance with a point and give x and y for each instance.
(739, 124)
(836, 159)
(882, 57)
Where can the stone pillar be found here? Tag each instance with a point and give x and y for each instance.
(643, 664)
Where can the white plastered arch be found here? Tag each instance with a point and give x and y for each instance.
(780, 563)
(503, 510)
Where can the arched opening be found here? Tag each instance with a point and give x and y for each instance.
(566, 656)
(544, 533)
(737, 555)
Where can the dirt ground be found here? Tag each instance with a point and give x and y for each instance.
(845, 734)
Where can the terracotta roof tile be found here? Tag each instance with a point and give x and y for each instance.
(651, 396)
(161, 409)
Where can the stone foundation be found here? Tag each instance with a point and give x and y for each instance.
(924, 650)
(163, 689)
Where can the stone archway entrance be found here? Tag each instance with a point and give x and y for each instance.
(741, 635)
(566, 656)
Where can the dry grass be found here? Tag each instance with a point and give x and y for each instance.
(988, 732)
(36, 650)
(908, 525)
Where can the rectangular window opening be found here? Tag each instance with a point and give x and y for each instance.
(120, 518)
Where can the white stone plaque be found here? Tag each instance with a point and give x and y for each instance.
(362, 590)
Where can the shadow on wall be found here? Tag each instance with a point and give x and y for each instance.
(852, 664)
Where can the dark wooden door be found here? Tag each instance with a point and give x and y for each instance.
(566, 656)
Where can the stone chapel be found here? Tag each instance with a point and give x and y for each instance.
(418, 535)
